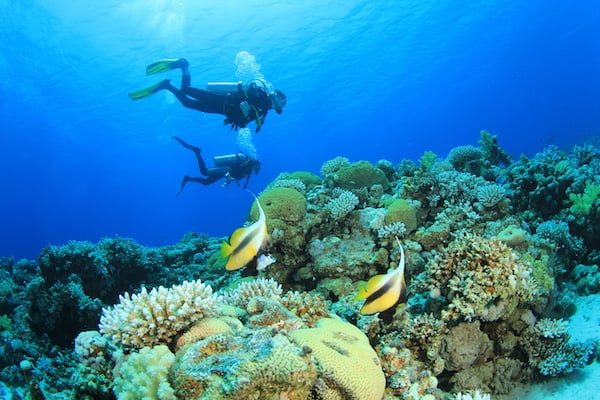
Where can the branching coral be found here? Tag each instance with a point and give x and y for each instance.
(549, 348)
(150, 318)
(143, 375)
(490, 195)
(333, 165)
(482, 278)
(245, 291)
(342, 205)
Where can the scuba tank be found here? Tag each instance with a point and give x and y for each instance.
(224, 87)
(228, 160)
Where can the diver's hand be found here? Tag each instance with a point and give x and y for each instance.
(234, 126)
(245, 107)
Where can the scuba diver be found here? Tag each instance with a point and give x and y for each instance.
(232, 167)
(240, 103)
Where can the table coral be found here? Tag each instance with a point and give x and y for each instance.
(347, 365)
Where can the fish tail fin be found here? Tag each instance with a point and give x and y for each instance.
(362, 291)
(226, 249)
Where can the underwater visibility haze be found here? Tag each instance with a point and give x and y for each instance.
(364, 80)
(427, 204)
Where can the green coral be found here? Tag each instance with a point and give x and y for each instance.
(491, 150)
(359, 175)
(541, 272)
(582, 203)
(308, 178)
(281, 203)
(427, 160)
(401, 210)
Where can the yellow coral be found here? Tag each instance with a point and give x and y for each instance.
(207, 327)
(346, 362)
(512, 235)
(143, 375)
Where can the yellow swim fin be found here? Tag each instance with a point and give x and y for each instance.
(149, 91)
(165, 64)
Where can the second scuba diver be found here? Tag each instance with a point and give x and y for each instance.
(231, 167)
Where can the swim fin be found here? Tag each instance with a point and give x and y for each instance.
(165, 64)
(149, 91)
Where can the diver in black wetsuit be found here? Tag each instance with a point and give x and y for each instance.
(232, 167)
(241, 104)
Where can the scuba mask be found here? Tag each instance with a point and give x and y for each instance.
(279, 101)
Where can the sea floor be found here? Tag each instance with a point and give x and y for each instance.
(583, 384)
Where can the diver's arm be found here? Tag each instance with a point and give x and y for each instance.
(247, 180)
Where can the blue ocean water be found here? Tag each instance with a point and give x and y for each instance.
(367, 80)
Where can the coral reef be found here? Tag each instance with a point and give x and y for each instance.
(496, 252)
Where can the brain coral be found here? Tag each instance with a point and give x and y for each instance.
(281, 203)
(150, 318)
(359, 175)
(346, 363)
(401, 210)
(256, 364)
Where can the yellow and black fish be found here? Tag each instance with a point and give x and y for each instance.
(384, 291)
(246, 244)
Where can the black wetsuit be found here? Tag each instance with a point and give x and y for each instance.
(229, 105)
(241, 167)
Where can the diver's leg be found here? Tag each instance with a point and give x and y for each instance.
(204, 181)
(187, 145)
(199, 99)
(197, 152)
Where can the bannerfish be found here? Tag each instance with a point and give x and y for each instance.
(246, 244)
(384, 291)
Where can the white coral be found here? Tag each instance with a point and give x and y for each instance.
(342, 205)
(395, 229)
(476, 395)
(551, 328)
(245, 291)
(149, 318)
(490, 195)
